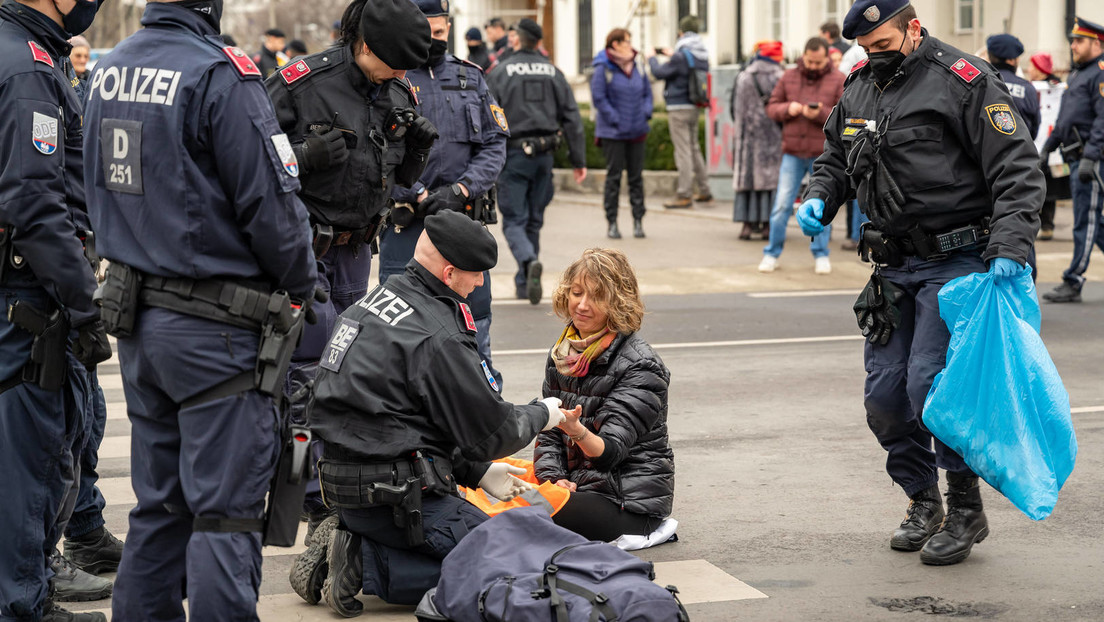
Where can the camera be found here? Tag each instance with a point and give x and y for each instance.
(398, 121)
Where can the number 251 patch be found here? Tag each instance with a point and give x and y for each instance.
(121, 151)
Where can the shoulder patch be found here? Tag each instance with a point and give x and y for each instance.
(963, 69)
(469, 321)
(40, 54)
(294, 71)
(343, 336)
(859, 65)
(241, 61)
(1002, 119)
(1100, 64)
(500, 117)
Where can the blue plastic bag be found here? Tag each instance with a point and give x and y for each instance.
(999, 402)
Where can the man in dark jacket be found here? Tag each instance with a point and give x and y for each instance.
(402, 402)
(271, 56)
(477, 50)
(682, 114)
(801, 102)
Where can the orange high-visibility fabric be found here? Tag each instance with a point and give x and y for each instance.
(553, 495)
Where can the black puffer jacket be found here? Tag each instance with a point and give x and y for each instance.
(624, 400)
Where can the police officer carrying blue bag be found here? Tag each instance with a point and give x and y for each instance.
(538, 102)
(191, 187)
(1079, 132)
(46, 287)
(463, 166)
(929, 141)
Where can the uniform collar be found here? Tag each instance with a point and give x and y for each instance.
(1004, 67)
(925, 48)
(45, 32)
(360, 82)
(166, 14)
(1098, 59)
(435, 286)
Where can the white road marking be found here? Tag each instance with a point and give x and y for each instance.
(805, 293)
(708, 344)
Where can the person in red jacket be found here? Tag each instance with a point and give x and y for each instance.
(801, 102)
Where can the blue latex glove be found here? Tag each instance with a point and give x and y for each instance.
(808, 216)
(1003, 267)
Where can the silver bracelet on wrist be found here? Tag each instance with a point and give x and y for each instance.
(580, 437)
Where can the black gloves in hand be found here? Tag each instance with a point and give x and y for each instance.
(420, 134)
(1085, 170)
(321, 150)
(309, 315)
(91, 347)
(444, 198)
(876, 310)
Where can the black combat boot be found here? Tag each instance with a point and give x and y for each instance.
(964, 526)
(314, 519)
(96, 552)
(346, 575)
(310, 568)
(53, 613)
(638, 228)
(71, 584)
(614, 233)
(925, 512)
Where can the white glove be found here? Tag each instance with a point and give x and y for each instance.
(555, 417)
(499, 481)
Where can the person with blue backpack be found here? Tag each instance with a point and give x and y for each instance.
(622, 96)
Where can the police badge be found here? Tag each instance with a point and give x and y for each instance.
(872, 14)
(500, 117)
(44, 133)
(286, 154)
(1002, 119)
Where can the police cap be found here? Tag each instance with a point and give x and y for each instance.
(1004, 46)
(463, 242)
(1084, 28)
(866, 15)
(531, 28)
(397, 32)
(433, 8)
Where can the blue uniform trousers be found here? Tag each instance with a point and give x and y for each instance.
(395, 572)
(41, 434)
(900, 373)
(1088, 201)
(214, 459)
(524, 190)
(88, 512)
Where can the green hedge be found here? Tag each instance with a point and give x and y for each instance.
(659, 154)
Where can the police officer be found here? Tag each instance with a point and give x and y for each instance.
(46, 287)
(350, 118)
(538, 102)
(1079, 132)
(191, 189)
(1004, 54)
(271, 55)
(928, 139)
(463, 165)
(406, 411)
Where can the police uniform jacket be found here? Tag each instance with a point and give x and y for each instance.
(538, 100)
(471, 148)
(1082, 109)
(187, 171)
(307, 94)
(1025, 96)
(951, 142)
(41, 185)
(402, 374)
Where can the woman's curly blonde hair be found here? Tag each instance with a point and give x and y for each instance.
(611, 282)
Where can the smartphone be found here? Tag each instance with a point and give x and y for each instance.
(658, 51)
(813, 104)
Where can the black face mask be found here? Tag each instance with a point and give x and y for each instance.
(437, 51)
(80, 18)
(209, 10)
(884, 65)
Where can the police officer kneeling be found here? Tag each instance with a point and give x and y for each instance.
(406, 411)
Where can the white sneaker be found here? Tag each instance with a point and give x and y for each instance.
(823, 266)
(768, 264)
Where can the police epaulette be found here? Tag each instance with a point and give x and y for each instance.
(40, 54)
(468, 62)
(293, 72)
(243, 65)
(962, 65)
(405, 87)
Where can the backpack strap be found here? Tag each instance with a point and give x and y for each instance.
(551, 585)
(689, 58)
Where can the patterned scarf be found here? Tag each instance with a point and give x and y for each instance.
(624, 62)
(573, 355)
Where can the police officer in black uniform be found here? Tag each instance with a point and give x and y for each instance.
(929, 141)
(191, 187)
(1079, 131)
(271, 55)
(538, 102)
(46, 286)
(462, 167)
(1004, 54)
(406, 411)
(350, 118)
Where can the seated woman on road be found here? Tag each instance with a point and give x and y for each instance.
(612, 452)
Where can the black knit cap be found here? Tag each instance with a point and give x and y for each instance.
(397, 32)
(463, 242)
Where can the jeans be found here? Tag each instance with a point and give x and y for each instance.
(790, 174)
(1088, 201)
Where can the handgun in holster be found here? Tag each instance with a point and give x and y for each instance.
(322, 239)
(406, 504)
(289, 487)
(484, 208)
(279, 337)
(88, 241)
(1072, 152)
(49, 367)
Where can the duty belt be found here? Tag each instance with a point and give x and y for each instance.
(881, 248)
(224, 301)
(533, 145)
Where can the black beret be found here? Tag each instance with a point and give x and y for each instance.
(433, 8)
(866, 15)
(1004, 46)
(275, 32)
(463, 242)
(397, 32)
(532, 28)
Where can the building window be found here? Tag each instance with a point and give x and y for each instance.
(832, 11)
(702, 13)
(776, 11)
(585, 35)
(964, 15)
